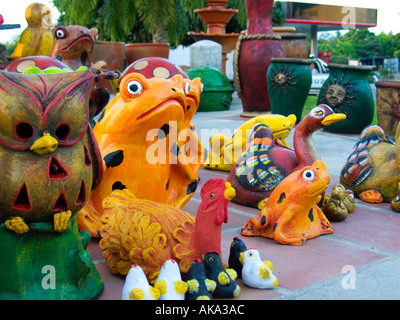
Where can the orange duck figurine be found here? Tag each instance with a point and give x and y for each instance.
(291, 215)
(264, 162)
(139, 136)
(148, 233)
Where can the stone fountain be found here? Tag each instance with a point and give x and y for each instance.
(216, 16)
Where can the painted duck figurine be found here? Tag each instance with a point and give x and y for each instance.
(372, 170)
(224, 151)
(148, 233)
(265, 162)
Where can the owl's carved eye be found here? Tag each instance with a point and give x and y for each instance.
(62, 132)
(24, 131)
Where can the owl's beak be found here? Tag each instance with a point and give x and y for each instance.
(45, 144)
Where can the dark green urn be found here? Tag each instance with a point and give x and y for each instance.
(217, 89)
(348, 91)
(288, 81)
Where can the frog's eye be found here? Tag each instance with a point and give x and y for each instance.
(187, 88)
(308, 175)
(60, 33)
(134, 87)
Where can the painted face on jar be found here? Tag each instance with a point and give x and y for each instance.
(335, 95)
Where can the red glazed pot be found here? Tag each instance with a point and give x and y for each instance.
(255, 53)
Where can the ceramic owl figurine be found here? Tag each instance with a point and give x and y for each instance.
(49, 165)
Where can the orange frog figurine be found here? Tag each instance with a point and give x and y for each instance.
(141, 136)
(291, 215)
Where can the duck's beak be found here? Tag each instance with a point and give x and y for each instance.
(45, 144)
(229, 191)
(332, 118)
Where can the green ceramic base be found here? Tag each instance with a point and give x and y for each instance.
(46, 265)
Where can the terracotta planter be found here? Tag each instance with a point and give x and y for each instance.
(295, 44)
(388, 106)
(136, 51)
(348, 91)
(253, 55)
(289, 81)
(113, 53)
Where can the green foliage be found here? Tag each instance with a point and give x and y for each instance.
(359, 43)
(149, 20)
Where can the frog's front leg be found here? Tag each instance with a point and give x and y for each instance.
(285, 234)
(254, 225)
(61, 220)
(17, 224)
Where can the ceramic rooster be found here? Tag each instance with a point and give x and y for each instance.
(148, 233)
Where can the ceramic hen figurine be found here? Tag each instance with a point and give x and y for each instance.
(37, 38)
(264, 163)
(224, 278)
(291, 215)
(225, 151)
(372, 170)
(169, 282)
(199, 286)
(148, 233)
(50, 163)
(138, 136)
(257, 273)
(136, 286)
(237, 247)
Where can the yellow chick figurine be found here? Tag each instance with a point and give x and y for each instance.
(169, 282)
(137, 287)
(257, 273)
(37, 39)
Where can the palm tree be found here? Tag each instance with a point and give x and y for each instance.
(133, 20)
(141, 20)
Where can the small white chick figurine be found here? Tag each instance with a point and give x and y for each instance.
(137, 287)
(257, 273)
(169, 282)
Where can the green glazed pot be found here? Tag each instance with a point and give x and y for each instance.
(217, 89)
(348, 91)
(288, 81)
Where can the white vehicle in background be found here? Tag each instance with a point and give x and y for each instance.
(319, 74)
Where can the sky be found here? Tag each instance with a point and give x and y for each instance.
(13, 12)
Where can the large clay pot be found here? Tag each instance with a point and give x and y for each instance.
(289, 81)
(113, 54)
(136, 51)
(388, 106)
(348, 91)
(295, 44)
(253, 55)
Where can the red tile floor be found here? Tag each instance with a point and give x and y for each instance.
(368, 238)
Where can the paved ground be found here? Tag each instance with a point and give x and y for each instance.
(360, 260)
